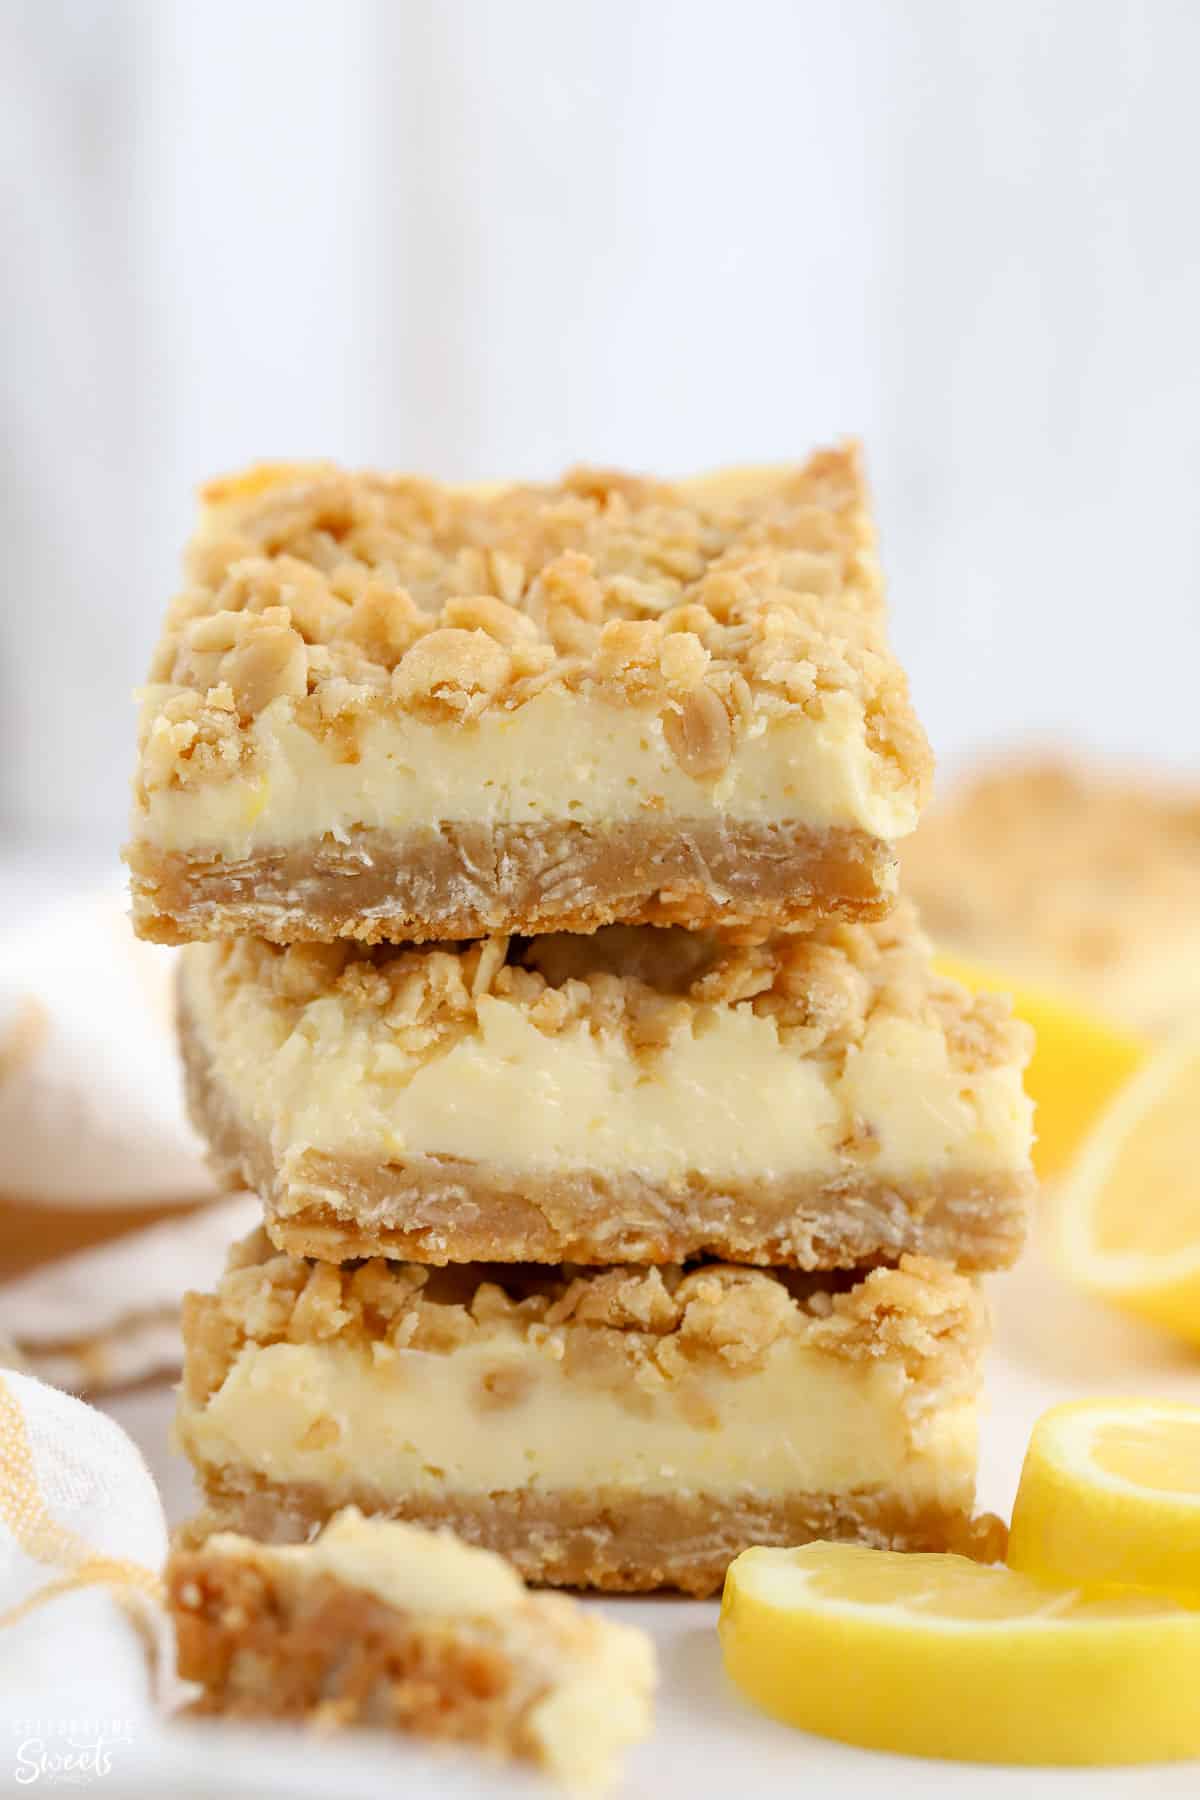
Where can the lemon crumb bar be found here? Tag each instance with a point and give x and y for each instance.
(626, 1429)
(382, 1624)
(391, 710)
(1074, 876)
(819, 1100)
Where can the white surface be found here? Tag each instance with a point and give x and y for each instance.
(484, 238)
(1051, 1344)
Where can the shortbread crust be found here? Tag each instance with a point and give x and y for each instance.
(365, 669)
(627, 1428)
(381, 887)
(640, 1095)
(1071, 876)
(612, 1540)
(381, 1624)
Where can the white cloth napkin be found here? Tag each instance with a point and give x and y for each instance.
(82, 1542)
(90, 1107)
(109, 1316)
(93, 1134)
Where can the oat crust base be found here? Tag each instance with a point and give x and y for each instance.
(468, 881)
(440, 1210)
(617, 1541)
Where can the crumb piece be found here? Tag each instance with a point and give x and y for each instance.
(383, 1624)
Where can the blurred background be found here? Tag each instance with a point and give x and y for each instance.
(474, 239)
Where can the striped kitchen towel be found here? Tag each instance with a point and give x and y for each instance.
(84, 1664)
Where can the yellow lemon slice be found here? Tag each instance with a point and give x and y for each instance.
(1079, 1061)
(1110, 1493)
(938, 1656)
(1127, 1222)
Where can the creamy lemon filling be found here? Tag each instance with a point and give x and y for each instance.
(726, 1097)
(560, 757)
(350, 1418)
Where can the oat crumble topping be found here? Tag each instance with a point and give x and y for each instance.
(648, 1327)
(822, 988)
(340, 595)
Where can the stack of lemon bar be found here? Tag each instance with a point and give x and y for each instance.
(625, 1167)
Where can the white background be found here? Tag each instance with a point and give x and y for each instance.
(490, 238)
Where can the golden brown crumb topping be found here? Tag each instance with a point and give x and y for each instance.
(343, 594)
(822, 988)
(651, 1326)
(1084, 865)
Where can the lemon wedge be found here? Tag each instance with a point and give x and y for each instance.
(1079, 1061)
(1110, 1493)
(1127, 1219)
(937, 1656)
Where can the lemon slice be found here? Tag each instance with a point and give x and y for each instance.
(1110, 1493)
(1127, 1222)
(937, 1656)
(1079, 1061)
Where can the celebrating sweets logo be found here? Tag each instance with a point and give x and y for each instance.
(67, 1752)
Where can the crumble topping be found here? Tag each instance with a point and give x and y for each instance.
(336, 595)
(822, 988)
(635, 1329)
